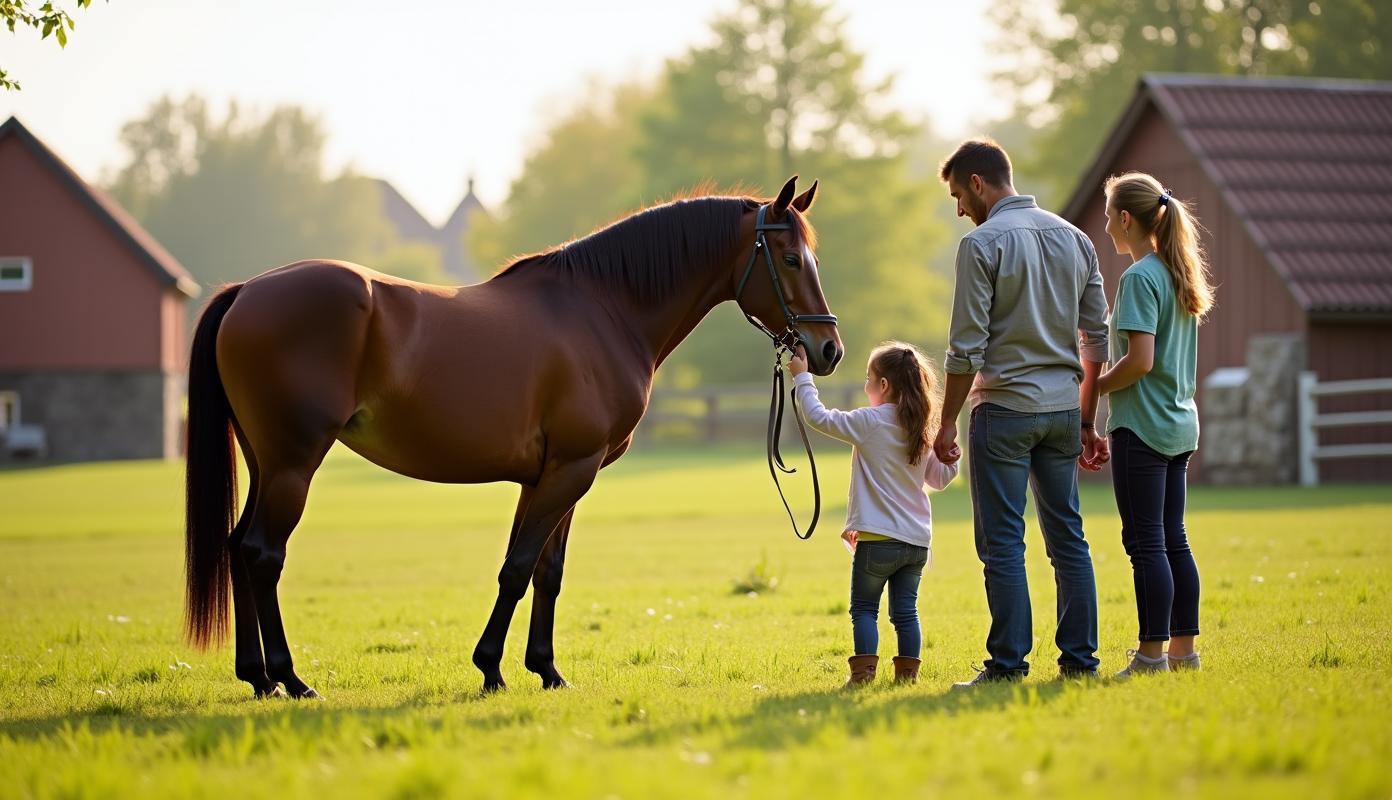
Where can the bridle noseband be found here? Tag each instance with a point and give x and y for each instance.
(784, 343)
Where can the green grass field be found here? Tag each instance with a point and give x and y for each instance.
(682, 687)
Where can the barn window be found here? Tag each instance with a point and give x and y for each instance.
(9, 411)
(16, 274)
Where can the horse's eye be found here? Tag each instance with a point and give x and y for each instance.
(792, 260)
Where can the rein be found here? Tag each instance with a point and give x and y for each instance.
(784, 343)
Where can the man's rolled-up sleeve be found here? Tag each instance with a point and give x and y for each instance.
(971, 310)
(1092, 314)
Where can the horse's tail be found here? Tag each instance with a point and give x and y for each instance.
(210, 484)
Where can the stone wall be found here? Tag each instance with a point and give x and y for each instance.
(103, 414)
(1248, 415)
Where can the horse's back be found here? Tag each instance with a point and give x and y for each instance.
(289, 347)
(454, 384)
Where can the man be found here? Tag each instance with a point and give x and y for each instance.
(1028, 285)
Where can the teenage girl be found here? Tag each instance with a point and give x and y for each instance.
(1153, 421)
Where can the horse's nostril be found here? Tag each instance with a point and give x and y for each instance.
(830, 353)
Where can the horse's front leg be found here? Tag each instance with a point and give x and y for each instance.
(546, 586)
(561, 485)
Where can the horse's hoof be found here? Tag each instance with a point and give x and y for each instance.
(555, 682)
(307, 694)
(274, 691)
(493, 686)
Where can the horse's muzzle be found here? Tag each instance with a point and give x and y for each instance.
(823, 352)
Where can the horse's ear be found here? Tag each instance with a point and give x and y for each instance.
(785, 198)
(804, 201)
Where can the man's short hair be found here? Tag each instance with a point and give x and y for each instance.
(977, 157)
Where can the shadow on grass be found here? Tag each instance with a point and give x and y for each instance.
(783, 721)
(774, 723)
(270, 724)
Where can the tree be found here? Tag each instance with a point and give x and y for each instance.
(778, 91)
(47, 18)
(232, 197)
(582, 175)
(1076, 65)
(780, 82)
(416, 261)
(781, 91)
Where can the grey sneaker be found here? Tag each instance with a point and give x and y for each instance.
(1185, 664)
(1140, 664)
(989, 676)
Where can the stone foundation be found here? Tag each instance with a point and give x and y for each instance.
(1248, 416)
(102, 415)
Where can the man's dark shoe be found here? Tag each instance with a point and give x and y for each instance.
(990, 676)
(1067, 672)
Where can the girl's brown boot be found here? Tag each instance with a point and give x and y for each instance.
(906, 669)
(862, 670)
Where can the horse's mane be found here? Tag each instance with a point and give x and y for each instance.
(648, 253)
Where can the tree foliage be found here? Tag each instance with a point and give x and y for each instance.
(581, 175)
(233, 196)
(48, 19)
(778, 90)
(1076, 64)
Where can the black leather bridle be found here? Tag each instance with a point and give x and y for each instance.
(782, 343)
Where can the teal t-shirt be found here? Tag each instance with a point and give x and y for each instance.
(1159, 408)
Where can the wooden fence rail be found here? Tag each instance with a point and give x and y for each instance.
(720, 413)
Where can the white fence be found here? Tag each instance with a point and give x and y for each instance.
(1312, 422)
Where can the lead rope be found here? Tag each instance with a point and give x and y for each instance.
(775, 457)
(780, 346)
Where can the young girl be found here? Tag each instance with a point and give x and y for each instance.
(889, 524)
(1154, 424)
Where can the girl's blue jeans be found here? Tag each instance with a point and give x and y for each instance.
(901, 566)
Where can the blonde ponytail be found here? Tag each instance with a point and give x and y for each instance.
(1176, 231)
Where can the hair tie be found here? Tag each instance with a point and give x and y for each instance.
(1165, 198)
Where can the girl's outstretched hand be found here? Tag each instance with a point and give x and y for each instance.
(798, 363)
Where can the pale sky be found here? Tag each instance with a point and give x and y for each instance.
(424, 94)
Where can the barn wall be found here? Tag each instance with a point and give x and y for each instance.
(94, 304)
(1349, 351)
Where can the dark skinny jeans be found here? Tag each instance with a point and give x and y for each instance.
(1150, 491)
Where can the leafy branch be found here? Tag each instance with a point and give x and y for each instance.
(47, 18)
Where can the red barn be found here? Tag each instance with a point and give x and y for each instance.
(92, 317)
(1293, 180)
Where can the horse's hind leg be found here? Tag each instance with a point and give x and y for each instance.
(281, 493)
(546, 587)
(250, 664)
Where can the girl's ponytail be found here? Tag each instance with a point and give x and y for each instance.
(1176, 232)
(914, 386)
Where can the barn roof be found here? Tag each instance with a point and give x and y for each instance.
(1305, 163)
(403, 216)
(458, 221)
(150, 252)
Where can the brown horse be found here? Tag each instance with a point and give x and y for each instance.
(538, 376)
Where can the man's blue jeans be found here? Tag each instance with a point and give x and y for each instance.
(901, 566)
(1010, 449)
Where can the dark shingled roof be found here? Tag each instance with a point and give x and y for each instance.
(1305, 163)
(165, 267)
(403, 216)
